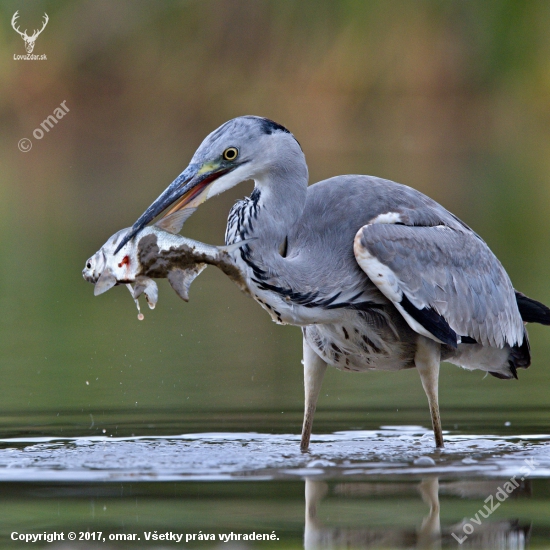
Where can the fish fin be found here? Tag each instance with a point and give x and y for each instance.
(180, 279)
(132, 291)
(236, 246)
(139, 287)
(152, 294)
(174, 222)
(105, 282)
(148, 287)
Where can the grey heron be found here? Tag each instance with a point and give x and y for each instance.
(376, 274)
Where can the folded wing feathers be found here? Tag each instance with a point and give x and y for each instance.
(450, 270)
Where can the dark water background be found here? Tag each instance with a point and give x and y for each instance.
(449, 97)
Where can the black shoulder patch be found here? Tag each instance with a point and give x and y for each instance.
(269, 126)
(432, 322)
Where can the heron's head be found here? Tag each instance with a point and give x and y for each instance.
(244, 148)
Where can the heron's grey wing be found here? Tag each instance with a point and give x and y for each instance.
(445, 282)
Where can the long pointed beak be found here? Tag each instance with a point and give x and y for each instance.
(188, 186)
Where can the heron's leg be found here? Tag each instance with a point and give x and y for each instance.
(314, 370)
(427, 359)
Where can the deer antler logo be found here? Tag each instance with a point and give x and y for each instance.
(29, 40)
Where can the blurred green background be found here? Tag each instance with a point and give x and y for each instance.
(450, 97)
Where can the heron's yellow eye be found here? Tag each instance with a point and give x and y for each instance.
(230, 153)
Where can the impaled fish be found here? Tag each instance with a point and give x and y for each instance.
(157, 253)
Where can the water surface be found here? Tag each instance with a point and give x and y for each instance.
(381, 487)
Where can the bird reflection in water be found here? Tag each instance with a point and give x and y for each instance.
(491, 533)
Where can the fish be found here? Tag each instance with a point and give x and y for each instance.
(158, 252)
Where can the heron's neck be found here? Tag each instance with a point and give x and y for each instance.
(282, 191)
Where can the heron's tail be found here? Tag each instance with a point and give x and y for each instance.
(519, 358)
(532, 311)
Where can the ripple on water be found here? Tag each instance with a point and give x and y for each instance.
(217, 456)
